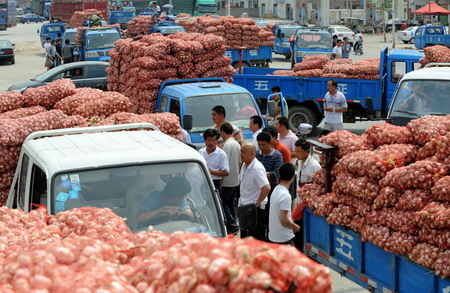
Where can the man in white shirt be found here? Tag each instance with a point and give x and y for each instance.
(256, 127)
(216, 159)
(334, 105)
(281, 226)
(254, 188)
(286, 136)
(230, 183)
(337, 50)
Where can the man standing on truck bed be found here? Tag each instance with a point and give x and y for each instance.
(218, 115)
(335, 104)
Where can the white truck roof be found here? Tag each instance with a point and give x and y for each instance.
(98, 149)
(432, 73)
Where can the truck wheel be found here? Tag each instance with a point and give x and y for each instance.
(288, 56)
(13, 61)
(301, 114)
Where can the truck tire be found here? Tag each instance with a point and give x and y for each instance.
(301, 114)
(288, 56)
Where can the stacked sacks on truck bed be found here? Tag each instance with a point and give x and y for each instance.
(237, 32)
(140, 25)
(81, 28)
(79, 16)
(435, 54)
(392, 185)
(60, 105)
(93, 250)
(138, 67)
(322, 66)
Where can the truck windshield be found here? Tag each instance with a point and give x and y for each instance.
(288, 32)
(238, 107)
(167, 196)
(53, 28)
(207, 8)
(418, 98)
(70, 36)
(314, 40)
(102, 41)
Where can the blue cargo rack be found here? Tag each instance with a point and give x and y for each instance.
(370, 266)
(251, 57)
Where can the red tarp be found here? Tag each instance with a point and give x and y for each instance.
(431, 8)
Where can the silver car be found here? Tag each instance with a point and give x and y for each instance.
(407, 36)
(341, 32)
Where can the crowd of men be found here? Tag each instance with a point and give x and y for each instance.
(56, 52)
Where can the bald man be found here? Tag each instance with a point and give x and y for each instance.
(254, 188)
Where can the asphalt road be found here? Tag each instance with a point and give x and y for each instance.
(30, 60)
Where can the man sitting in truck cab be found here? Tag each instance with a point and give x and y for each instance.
(171, 202)
(420, 101)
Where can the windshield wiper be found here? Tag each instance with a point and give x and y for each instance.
(439, 114)
(409, 112)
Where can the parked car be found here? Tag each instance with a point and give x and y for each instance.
(407, 36)
(342, 31)
(83, 74)
(7, 51)
(31, 17)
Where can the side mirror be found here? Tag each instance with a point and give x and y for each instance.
(13, 45)
(369, 107)
(38, 31)
(272, 108)
(282, 35)
(304, 128)
(187, 122)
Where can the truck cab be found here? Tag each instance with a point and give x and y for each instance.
(205, 7)
(429, 35)
(120, 167)
(167, 28)
(121, 17)
(283, 32)
(196, 97)
(51, 30)
(95, 43)
(310, 41)
(421, 93)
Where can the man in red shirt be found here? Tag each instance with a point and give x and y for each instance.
(282, 148)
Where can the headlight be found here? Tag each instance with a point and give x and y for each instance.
(91, 54)
(300, 54)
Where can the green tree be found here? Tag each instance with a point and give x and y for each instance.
(384, 6)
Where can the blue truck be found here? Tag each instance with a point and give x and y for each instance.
(46, 10)
(367, 99)
(310, 41)
(250, 57)
(121, 17)
(364, 263)
(429, 35)
(167, 27)
(95, 43)
(193, 99)
(7, 14)
(283, 32)
(51, 30)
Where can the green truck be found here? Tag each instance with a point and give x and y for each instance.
(193, 7)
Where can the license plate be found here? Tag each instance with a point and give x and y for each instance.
(1, 52)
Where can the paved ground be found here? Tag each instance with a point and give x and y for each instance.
(30, 60)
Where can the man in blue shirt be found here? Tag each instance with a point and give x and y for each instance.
(171, 202)
(346, 48)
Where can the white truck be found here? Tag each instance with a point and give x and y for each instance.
(421, 93)
(146, 177)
